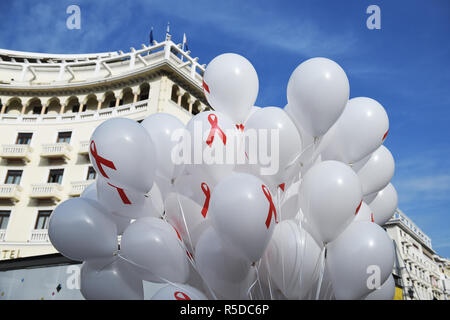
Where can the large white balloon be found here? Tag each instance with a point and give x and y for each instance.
(124, 202)
(364, 214)
(293, 257)
(224, 271)
(317, 92)
(212, 135)
(330, 197)
(230, 84)
(189, 219)
(359, 260)
(161, 127)
(385, 292)
(122, 151)
(271, 133)
(377, 171)
(244, 214)
(359, 131)
(384, 204)
(80, 230)
(91, 193)
(154, 247)
(178, 292)
(110, 279)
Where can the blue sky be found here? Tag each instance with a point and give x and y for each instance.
(405, 65)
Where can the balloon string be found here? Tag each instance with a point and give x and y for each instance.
(268, 277)
(303, 250)
(258, 278)
(282, 251)
(321, 270)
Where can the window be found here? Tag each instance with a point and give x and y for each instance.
(43, 219)
(37, 110)
(64, 137)
(13, 177)
(91, 174)
(4, 218)
(55, 176)
(76, 107)
(24, 138)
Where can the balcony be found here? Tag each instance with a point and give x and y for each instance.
(16, 152)
(51, 191)
(84, 148)
(39, 235)
(56, 151)
(10, 192)
(2, 235)
(77, 187)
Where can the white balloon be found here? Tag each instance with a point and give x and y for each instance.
(224, 271)
(91, 193)
(154, 247)
(212, 135)
(196, 187)
(110, 279)
(330, 196)
(290, 204)
(359, 131)
(281, 140)
(364, 214)
(80, 230)
(317, 92)
(178, 292)
(230, 84)
(161, 127)
(124, 202)
(376, 173)
(187, 218)
(359, 258)
(385, 292)
(293, 257)
(123, 152)
(244, 214)
(384, 204)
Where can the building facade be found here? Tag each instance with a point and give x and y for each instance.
(51, 104)
(418, 270)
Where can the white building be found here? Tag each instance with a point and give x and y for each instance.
(418, 270)
(49, 106)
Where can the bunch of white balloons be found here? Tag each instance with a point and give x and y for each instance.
(309, 230)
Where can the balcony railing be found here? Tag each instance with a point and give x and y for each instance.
(77, 187)
(51, 191)
(16, 151)
(10, 192)
(39, 235)
(2, 235)
(56, 150)
(84, 147)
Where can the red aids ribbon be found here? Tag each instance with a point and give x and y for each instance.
(272, 209)
(357, 209)
(181, 296)
(371, 217)
(282, 186)
(205, 86)
(122, 194)
(240, 127)
(212, 118)
(207, 193)
(100, 160)
(385, 135)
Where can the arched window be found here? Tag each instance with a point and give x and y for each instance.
(109, 101)
(175, 93)
(53, 107)
(145, 91)
(185, 101)
(127, 96)
(14, 106)
(196, 107)
(34, 106)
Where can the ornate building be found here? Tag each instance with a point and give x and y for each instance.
(50, 105)
(418, 270)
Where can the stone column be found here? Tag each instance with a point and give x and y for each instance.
(99, 104)
(135, 97)
(3, 109)
(117, 101)
(80, 109)
(63, 107)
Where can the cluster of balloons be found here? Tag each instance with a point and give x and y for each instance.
(309, 230)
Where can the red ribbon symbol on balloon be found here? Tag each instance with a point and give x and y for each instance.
(212, 118)
(122, 194)
(207, 193)
(181, 296)
(240, 127)
(359, 207)
(100, 161)
(272, 209)
(205, 86)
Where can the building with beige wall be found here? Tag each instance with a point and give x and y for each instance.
(50, 105)
(418, 269)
